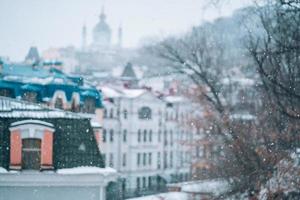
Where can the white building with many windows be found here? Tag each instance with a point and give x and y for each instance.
(144, 139)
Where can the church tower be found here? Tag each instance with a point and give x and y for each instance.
(83, 35)
(102, 32)
(120, 36)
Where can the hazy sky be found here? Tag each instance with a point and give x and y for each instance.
(58, 23)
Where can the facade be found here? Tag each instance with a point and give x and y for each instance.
(49, 154)
(144, 140)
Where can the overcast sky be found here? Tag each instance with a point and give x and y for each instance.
(58, 23)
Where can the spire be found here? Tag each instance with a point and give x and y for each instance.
(32, 55)
(102, 15)
(120, 36)
(83, 37)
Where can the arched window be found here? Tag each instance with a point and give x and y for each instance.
(145, 113)
(31, 145)
(31, 153)
(30, 96)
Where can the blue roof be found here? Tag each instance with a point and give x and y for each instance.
(20, 69)
(25, 73)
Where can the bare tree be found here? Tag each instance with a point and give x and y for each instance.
(252, 149)
(277, 54)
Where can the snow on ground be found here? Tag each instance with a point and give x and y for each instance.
(2, 170)
(216, 187)
(164, 196)
(87, 170)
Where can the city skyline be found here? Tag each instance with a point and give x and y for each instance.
(53, 24)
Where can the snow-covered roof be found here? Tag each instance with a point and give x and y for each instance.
(13, 108)
(174, 99)
(95, 124)
(164, 196)
(87, 170)
(133, 93)
(109, 92)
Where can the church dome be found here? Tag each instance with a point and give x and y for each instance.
(102, 32)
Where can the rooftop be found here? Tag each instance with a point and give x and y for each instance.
(12, 108)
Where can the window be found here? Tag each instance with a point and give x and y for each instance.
(118, 112)
(150, 159)
(30, 96)
(89, 105)
(111, 133)
(125, 114)
(171, 159)
(26, 149)
(124, 160)
(104, 158)
(159, 135)
(111, 113)
(145, 135)
(139, 135)
(144, 159)
(124, 135)
(6, 92)
(165, 138)
(158, 160)
(145, 113)
(58, 103)
(123, 185)
(138, 159)
(75, 107)
(150, 136)
(171, 137)
(111, 159)
(31, 153)
(149, 182)
(104, 135)
(144, 182)
(165, 160)
(105, 113)
(138, 183)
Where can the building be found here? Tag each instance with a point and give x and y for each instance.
(143, 138)
(44, 84)
(49, 154)
(101, 32)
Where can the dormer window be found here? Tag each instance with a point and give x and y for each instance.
(30, 96)
(31, 145)
(59, 103)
